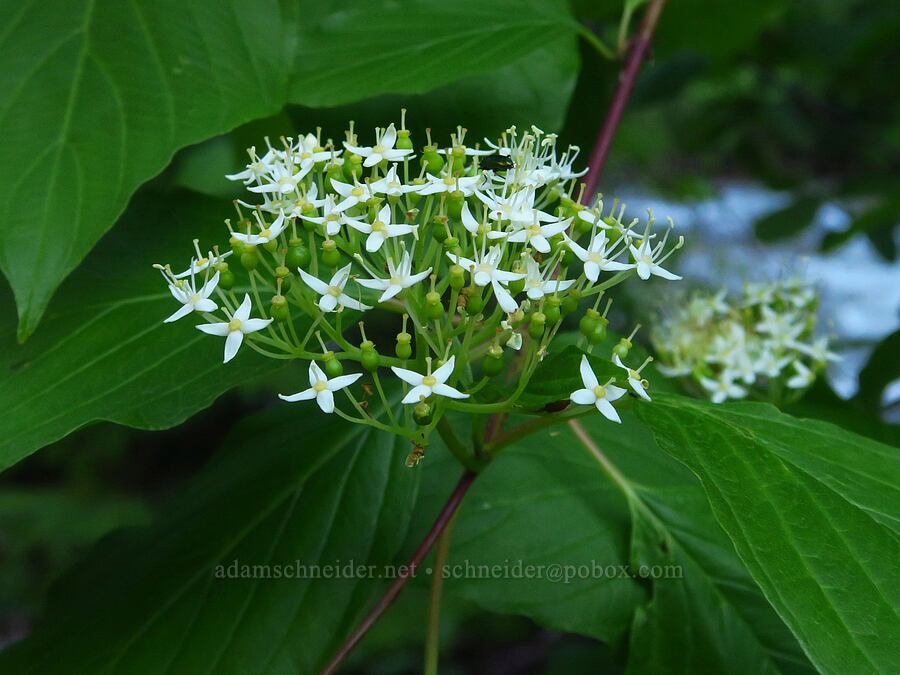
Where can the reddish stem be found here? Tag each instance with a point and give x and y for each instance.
(639, 46)
(406, 573)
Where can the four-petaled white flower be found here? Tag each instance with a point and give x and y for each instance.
(331, 216)
(517, 208)
(432, 383)
(596, 257)
(333, 292)
(266, 232)
(400, 277)
(476, 228)
(594, 394)
(437, 184)
(645, 258)
(256, 169)
(536, 287)
(722, 389)
(234, 330)
(391, 185)
(282, 179)
(536, 235)
(191, 299)
(308, 152)
(634, 377)
(484, 271)
(803, 378)
(380, 230)
(382, 150)
(201, 263)
(321, 388)
(352, 194)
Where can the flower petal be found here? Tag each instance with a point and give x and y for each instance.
(583, 397)
(445, 371)
(232, 342)
(243, 312)
(218, 329)
(587, 373)
(343, 381)
(304, 395)
(410, 376)
(446, 390)
(325, 399)
(607, 410)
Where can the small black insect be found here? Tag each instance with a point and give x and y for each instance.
(496, 162)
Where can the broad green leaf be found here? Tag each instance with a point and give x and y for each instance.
(100, 94)
(814, 513)
(294, 488)
(787, 222)
(104, 352)
(548, 501)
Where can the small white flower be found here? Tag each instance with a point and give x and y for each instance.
(634, 377)
(191, 299)
(391, 185)
(282, 179)
(333, 292)
(201, 262)
(321, 388)
(536, 287)
(234, 330)
(380, 230)
(645, 258)
(476, 228)
(484, 271)
(437, 184)
(307, 153)
(266, 232)
(400, 277)
(596, 257)
(594, 394)
(536, 235)
(432, 383)
(517, 208)
(514, 341)
(818, 350)
(352, 194)
(803, 378)
(722, 389)
(382, 150)
(256, 169)
(331, 217)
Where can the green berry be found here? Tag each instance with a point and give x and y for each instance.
(621, 350)
(588, 322)
(457, 277)
(250, 258)
(537, 324)
(551, 309)
(369, 358)
(475, 302)
(279, 308)
(423, 413)
(403, 348)
(570, 302)
(433, 307)
(492, 365)
(226, 279)
(297, 256)
(330, 254)
(333, 367)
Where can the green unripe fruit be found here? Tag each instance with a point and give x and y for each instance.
(250, 258)
(475, 303)
(440, 231)
(450, 243)
(271, 246)
(433, 307)
(588, 322)
(403, 140)
(369, 358)
(415, 197)
(333, 367)
(570, 302)
(537, 324)
(279, 309)
(621, 350)
(284, 274)
(567, 258)
(492, 364)
(236, 245)
(330, 254)
(297, 256)
(403, 348)
(457, 277)
(598, 332)
(333, 171)
(552, 310)
(352, 168)
(226, 279)
(455, 203)
(518, 285)
(431, 160)
(582, 226)
(423, 413)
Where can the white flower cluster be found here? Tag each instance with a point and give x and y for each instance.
(764, 340)
(479, 248)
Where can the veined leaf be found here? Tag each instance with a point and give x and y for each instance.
(814, 513)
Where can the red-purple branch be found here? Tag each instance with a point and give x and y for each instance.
(639, 47)
(405, 574)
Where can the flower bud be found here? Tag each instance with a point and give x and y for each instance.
(330, 254)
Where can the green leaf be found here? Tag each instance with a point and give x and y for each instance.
(814, 513)
(104, 352)
(877, 223)
(290, 490)
(882, 368)
(100, 94)
(547, 501)
(788, 221)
